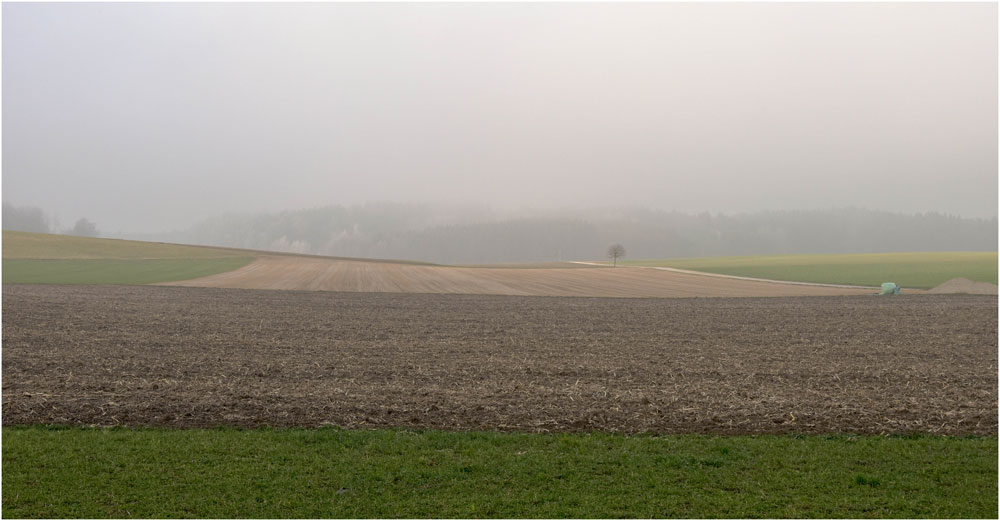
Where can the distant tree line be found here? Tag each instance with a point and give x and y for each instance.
(33, 219)
(24, 218)
(467, 235)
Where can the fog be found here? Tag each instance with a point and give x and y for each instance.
(153, 117)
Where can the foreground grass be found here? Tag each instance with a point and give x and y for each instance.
(910, 270)
(298, 473)
(114, 271)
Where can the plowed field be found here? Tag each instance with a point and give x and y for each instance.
(187, 357)
(304, 273)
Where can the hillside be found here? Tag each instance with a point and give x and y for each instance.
(318, 274)
(58, 259)
(24, 245)
(36, 258)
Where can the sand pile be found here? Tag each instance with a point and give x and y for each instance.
(961, 285)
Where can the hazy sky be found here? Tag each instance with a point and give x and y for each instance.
(148, 117)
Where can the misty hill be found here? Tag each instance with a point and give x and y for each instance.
(468, 234)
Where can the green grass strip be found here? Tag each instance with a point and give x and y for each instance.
(114, 271)
(910, 270)
(324, 473)
(23, 245)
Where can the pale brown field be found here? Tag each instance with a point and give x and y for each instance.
(326, 274)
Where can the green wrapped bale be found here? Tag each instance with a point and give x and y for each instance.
(890, 288)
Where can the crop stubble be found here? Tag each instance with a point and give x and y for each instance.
(197, 357)
(328, 274)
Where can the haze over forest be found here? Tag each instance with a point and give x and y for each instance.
(491, 132)
(457, 234)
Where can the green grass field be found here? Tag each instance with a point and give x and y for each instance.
(23, 245)
(114, 271)
(35, 258)
(910, 270)
(324, 473)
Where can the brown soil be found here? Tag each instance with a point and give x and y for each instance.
(196, 357)
(302, 273)
(962, 285)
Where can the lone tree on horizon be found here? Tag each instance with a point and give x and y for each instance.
(614, 252)
(84, 228)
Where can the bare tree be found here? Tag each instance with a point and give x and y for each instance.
(615, 251)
